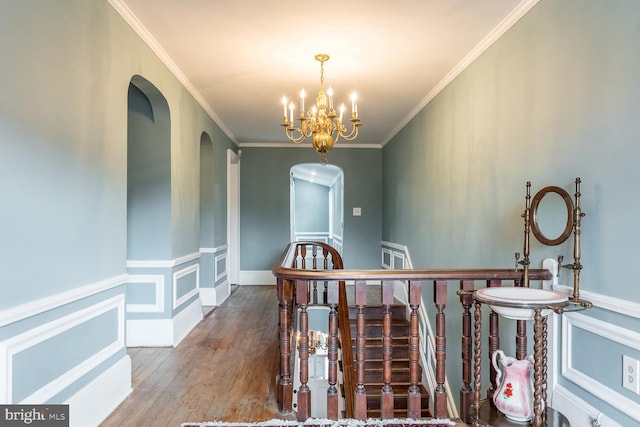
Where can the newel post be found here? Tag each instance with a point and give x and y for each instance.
(440, 393)
(284, 393)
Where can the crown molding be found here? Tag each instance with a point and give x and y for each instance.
(478, 50)
(292, 145)
(146, 36)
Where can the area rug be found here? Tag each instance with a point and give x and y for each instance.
(318, 422)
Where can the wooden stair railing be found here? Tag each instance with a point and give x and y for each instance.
(295, 285)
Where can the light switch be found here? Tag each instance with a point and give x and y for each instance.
(357, 212)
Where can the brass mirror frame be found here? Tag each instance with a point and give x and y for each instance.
(535, 202)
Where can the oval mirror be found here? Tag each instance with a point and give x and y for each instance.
(551, 215)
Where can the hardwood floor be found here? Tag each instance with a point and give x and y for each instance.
(223, 370)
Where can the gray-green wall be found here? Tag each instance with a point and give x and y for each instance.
(66, 68)
(311, 207)
(556, 97)
(264, 203)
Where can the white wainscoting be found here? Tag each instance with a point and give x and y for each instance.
(158, 282)
(164, 332)
(101, 395)
(577, 411)
(608, 331)
(95, 402)
(35, 336)
(32, 308)
(178, 300)
(214, 296)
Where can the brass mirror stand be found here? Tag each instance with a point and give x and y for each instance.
(574, 214)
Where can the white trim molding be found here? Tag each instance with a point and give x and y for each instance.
(214, 250)
(220, 275)
(164, 332)
(33, 308)
(577, 411)
(158, 281)
(145, 35)
(257, 277)
(169, 263)
(18, 343)
(624, 336)
(95, 401)
(178, 301)
(478, 50)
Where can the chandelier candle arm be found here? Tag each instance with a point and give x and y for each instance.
(321, 122)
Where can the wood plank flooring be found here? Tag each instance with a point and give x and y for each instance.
(223, 370)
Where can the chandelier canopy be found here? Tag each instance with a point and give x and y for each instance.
(321, 122)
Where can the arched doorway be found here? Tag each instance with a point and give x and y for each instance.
(316, 208)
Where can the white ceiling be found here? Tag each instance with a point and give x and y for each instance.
(238, 58)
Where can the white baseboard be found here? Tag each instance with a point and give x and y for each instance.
(186, 320)
(208, 297)
(163, 332)
(577, 411)
(213, 297)
(223, 291)
(257, 277)
(94, 402)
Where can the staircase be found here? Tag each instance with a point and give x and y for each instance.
(400, 381)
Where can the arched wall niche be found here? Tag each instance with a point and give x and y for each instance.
(148, 172)
(207, 192)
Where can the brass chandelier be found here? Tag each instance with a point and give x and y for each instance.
(321, 122)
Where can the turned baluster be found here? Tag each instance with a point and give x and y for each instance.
(545, 336)
(466, 395)
(284, 394)
(386, 402)
(477, 362)
(314, 264)
(538, 408)
(325, 254)
(494, 341)
(360, 412)
(440, 393)
(414, 396)
(303, 256)
(332, 391)
(304, 393)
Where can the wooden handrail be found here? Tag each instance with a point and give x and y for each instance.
(284, 269)
(287, 273)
